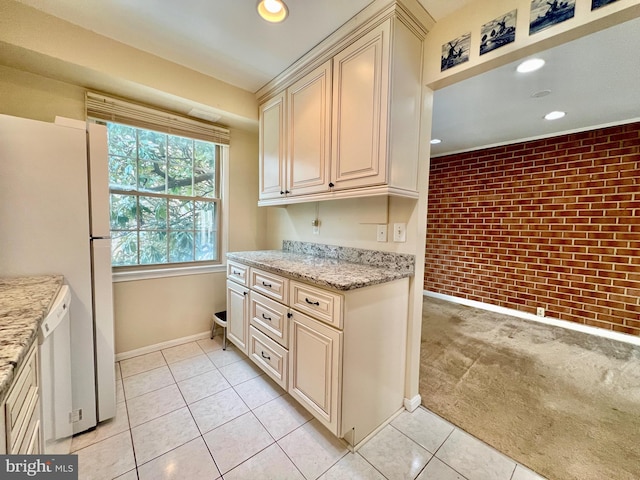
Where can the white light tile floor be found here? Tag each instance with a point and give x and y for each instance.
(194, 411)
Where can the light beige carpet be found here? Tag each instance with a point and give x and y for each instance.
(563, 403)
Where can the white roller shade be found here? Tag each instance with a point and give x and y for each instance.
(112, 109)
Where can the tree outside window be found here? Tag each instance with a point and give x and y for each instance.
(164, 197)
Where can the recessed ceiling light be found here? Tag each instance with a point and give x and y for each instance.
(554, 115)
(273, 11)
(435, 141)
(530, 65)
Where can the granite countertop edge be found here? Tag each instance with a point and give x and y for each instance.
(24, 303)
(324, 272)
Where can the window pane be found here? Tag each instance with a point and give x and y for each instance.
(206, 247)
(123, 212)
(153, 247)
(124, 248)
(180, 174)
(204, 169)
(122, 173)
(152, 163)
(122, 140)
(180, 214)
(181, 246)
(153, 213)
(205, 215)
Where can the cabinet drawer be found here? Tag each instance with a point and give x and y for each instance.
(21, 402)
(321, 304)
(269, 356)
(270, 318)
(238, 273)
(269, 284)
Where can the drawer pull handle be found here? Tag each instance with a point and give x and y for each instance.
(265, 317)
(265, 356)
(311, 303)
(235, 272)
(268, 285)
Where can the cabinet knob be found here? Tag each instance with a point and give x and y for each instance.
(331, 185)
(245, 293)
(287, 191)
(289, 315)
(281, 192)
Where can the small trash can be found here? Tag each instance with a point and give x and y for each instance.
(220, 318)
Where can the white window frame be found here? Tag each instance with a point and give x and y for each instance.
(103, 108)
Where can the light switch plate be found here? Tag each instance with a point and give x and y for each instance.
(399, 232)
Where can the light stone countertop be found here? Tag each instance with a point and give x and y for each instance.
(333, 273)
(24, 302)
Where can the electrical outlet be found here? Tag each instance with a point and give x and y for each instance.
(399, 232)
(381, 233)
(540, 311)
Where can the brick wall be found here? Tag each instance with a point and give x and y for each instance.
(553, 223)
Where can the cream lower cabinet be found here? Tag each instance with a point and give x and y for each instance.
(315, 368)
(21, 410)
(341, 355)
(238, 315)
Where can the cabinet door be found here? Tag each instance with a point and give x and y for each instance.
(272, 148)
(238, 315)
(360, 107)
(308, 132)
(315, 356)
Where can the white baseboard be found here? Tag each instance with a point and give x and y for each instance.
(159, 346)
(600, 332)
(412, 403)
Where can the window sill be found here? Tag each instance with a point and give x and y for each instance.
(162, 272)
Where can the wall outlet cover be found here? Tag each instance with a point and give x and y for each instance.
(381, 233)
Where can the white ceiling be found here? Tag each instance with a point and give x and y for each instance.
(594, 79)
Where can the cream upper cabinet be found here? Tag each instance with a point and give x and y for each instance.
(272, 148)
(309, 130)
(353, 123)
(361, 82)
(376, 112)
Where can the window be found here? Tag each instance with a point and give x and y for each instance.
(164, 197)
(165, 184)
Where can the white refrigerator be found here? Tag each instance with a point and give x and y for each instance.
(54, 219)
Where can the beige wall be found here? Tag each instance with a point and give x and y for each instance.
(24, 94)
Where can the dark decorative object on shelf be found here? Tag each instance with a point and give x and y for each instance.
(498, 32)
(595, 4)
(546, 13)
(455, 52)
